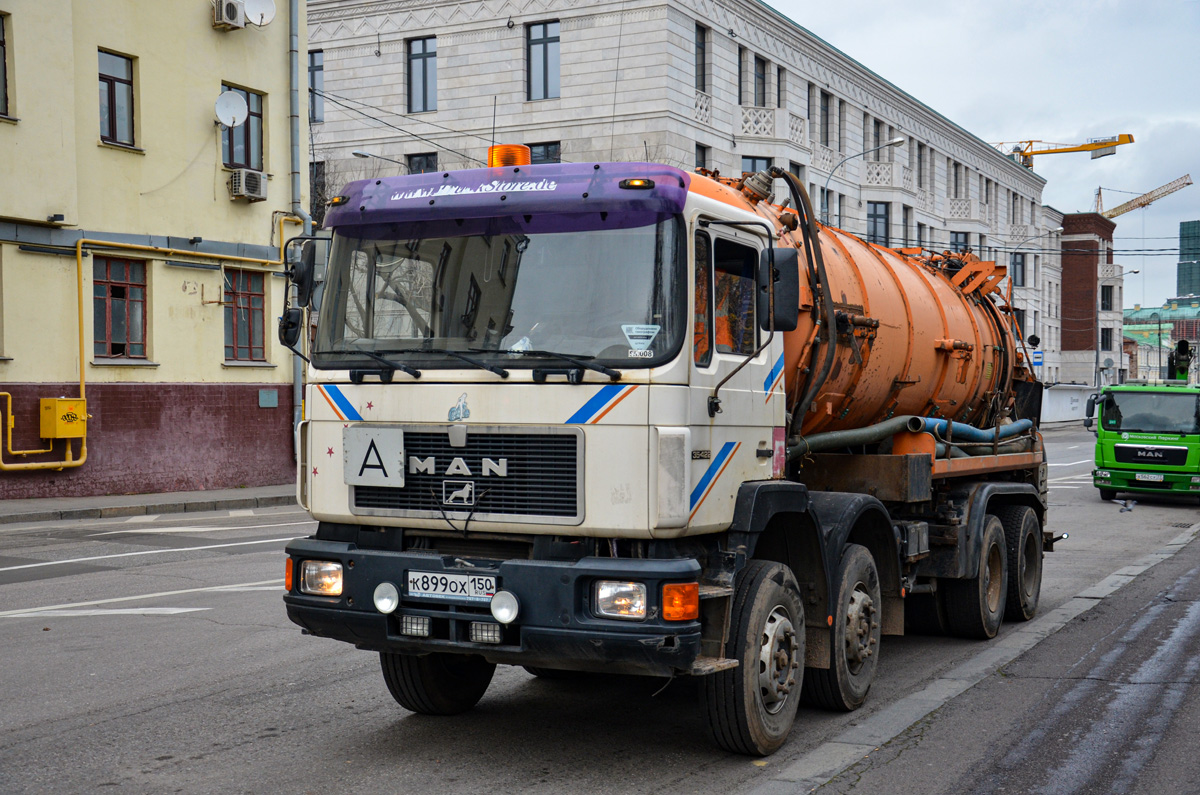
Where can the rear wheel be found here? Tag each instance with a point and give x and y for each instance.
(975, 606)
(751, 708)
(436, 684)
(1023, 539)
(854, 645)
(1108, 494)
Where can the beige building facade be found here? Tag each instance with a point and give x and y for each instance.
(140, 243)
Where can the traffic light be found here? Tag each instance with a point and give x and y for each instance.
(1179, 361)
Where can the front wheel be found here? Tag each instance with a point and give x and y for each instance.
(751, 708)
(1108, 494)
(975, 606)
(436, 684)
(854, 646)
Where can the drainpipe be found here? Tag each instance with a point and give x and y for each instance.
(297, 207)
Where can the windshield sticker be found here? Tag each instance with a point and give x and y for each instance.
(495, 186)
(640, 337)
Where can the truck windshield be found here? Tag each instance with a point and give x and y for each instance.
(1152, 412)
(614, 296)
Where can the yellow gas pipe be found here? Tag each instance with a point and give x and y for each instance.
(69, 461)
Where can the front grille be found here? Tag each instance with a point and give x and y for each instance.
(542, 477)
(1150, 454)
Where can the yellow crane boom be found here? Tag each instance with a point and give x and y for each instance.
(1144, 199)
(1024, 151)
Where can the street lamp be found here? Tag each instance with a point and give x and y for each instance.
(1158, 319)
(825, 191)
(360, 153)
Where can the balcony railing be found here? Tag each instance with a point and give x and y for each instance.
(888, 175)
(703, 111)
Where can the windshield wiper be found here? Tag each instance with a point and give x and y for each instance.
(500, 371)
(404, 368)
(613, 375)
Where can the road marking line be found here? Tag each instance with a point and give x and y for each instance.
(232, 587)
(150, 517)
(241, 512)
(1072, 463)
(195, 529)
(1059, 486)
(113, 611)
(147, 552)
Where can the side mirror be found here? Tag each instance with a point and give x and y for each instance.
(291, 323)
(779, 268)
(304, 267)
(1089, 410)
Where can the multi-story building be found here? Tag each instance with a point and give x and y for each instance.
(1187, 272)
(1093, 291)
(730, 87)
(140, 245)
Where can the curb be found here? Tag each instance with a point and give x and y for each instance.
(825, 762)
(142, 509)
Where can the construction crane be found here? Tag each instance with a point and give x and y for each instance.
(1024, 151)
(1143, 200)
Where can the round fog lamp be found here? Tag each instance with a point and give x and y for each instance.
(505, 607)
(387, 597)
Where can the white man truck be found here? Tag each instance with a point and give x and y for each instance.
(619, 417)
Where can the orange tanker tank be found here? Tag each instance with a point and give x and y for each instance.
(915, 335)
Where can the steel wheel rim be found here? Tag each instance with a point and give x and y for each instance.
(1029, 565)
(777, 663)
(860, 621)
(992, 571)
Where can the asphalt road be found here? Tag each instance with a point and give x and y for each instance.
(154, 655)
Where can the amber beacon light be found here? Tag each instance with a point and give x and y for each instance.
(509, 155)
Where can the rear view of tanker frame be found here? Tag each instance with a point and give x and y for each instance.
(619, 417)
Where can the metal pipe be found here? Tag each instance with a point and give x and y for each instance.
(297, 207)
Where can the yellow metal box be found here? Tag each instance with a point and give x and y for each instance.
(64, 418)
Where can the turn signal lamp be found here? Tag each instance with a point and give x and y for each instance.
(681, 601)
(621, 600)
(337, 201)
(509, 155)
(321, 578)
(637, 184)
(287, 575)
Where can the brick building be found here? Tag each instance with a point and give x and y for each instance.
(1092, 293)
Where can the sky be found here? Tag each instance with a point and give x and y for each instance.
(1062, 72)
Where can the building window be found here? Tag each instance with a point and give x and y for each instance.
(3, 66)
(760, 82)
(243, 316)
(1019, 323)
(701, 156)
(734, 297)
(1016, 269)
(241, 146)
(877, 223)
(544, 153)
(422, 163)
(960, 241)
(1106, 296)
(422, 75)
(119, 308)
(906, 218)
(780, 87)
(877, 140)
(1106, 336)
(543, 60)
(701, 58)
(316, 84)
(741, 75)
(756, 164)
(116, 99)
(826, 119)
(796, 170)
(921, 235)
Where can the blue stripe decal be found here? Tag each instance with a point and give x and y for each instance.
(711, 472)
(771, 376)
(342, 403)
(597, 402)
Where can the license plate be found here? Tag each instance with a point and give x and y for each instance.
(1149, 477)
(440, 585)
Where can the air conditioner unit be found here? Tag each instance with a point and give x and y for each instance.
(229, 14)
(248, 184)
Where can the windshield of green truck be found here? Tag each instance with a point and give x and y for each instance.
(615, 296)
(1151, 412)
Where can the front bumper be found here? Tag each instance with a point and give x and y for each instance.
(1126, 480)
(555, 627)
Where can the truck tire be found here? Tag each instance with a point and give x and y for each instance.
(1023, 539)
(750, 709)
(1107, 494)
(975, 606)
(854, 645)
(436, 684)
(925, 614)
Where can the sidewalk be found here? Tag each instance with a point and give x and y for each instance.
(57, 508)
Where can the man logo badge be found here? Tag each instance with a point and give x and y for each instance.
(458, 492)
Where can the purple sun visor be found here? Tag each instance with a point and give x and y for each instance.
(556, 197)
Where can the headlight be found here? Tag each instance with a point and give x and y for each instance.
(505, 607)
(386, 597)
(1102, 474)
(1196, 480)
(621, 599)
(321, 578)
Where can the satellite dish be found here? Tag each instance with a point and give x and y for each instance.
(259, 12)
(1108, 363)
(231, 109)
